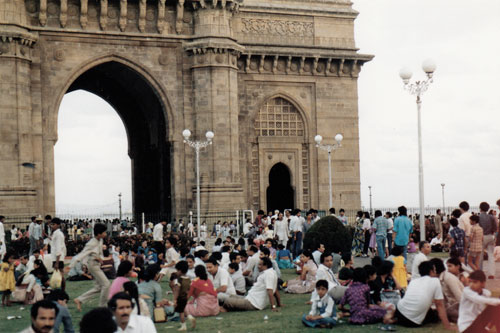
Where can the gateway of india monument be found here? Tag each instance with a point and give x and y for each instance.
(266, 76)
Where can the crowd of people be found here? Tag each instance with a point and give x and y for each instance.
(402, 285)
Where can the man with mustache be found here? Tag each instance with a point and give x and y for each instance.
(121, 305)
(43, 316)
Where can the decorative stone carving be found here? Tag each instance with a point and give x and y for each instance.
(163, 59)
(161, 16)
(4, 48)
(179, 16)
(52, 9)
(103, 19)
(42, 15)
(142, 15)
(150, 15)
(279, 28)
(122, 22)
(112, 13)
(59, 55)
(83, 13)
(72, 10)
(31, 7)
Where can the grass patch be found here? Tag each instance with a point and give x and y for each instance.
(287, 320)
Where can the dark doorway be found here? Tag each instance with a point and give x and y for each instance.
(280, 192)
(142, 112)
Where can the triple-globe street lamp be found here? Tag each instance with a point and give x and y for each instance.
(417, 89)
(329, 148)
(197, 145)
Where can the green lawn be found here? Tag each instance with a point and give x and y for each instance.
(287, 320)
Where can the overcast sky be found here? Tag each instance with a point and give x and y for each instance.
(460, 112)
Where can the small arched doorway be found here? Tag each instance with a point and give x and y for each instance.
(280, 194)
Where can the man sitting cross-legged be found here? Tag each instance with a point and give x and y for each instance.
(263, 292)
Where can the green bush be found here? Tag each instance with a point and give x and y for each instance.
(330, 232)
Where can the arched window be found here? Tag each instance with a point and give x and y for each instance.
(279, 117)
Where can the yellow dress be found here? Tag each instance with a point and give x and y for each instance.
(399, 271)
(7, 280)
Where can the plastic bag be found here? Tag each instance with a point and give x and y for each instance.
(56, 280)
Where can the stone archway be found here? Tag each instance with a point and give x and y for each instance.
(143, 116)
(280, 194)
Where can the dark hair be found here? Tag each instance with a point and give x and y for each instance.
(201, 272)
(253, 248)
(98, 320)
(425, 268)
(124, 267)
(378, 213)
(121, 295)
(7, 256)
(201, 253)
(132, 289)
(366, 215)
(58, 295)
(48, 217)
(464, 205)
(105, 252)
(172, 240)
(182, 266)
(376, 262)
(438, 265)
(233, 256)
(212, 261)
(402, 210)
(234, 266)
(324, 256)
(453, 222)
(99, 228)
(477, 276)
(456, 213)
(265, 251)
(345, 274)
(389, 214)
(151, 272)
(474, 218)
(455, 261)
(184, 251)
(322, 283)
(216, 255)
(218, 241)
(45, 304)
(397, 251)
(484, 206)
(421, 244)
(267, 262)
(225, 248)
(332, 210)
(370, 270)
(359, 275)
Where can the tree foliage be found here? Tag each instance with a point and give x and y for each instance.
(330, 232)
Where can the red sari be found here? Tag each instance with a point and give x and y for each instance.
(205, 302)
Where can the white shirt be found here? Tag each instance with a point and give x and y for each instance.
(225, 259)
(92, 250)
(246, 228)
(57, 246)
(252, 262)
(419, 297)
(464, 223)
(257, 296)
(172, 256)
(391, 225)
(317, 256)
(471, 306)
(366, 224)
(158, 232)
(325, 273)
(293, 221)
(238, 281)
(299, 225)
(318, 303)
(419, 258)
(223, 278)
(281, 229)
(138, 324)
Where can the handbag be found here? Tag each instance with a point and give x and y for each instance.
(55, 279)
(159, 315)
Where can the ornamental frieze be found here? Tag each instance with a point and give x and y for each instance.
(277, 27)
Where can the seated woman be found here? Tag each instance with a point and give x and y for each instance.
(140, 306)
(27, 291)
(149, 289)
(108, 265)
(306, 282)
(284, 258)
(41, 274)
(386, 290)
(454, 266)
(122, 276)
(357, 296)
(204, 302)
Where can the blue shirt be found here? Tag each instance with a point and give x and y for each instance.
(402, 227)
(381, 225)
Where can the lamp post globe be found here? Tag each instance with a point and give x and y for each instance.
(209, 135)
(318, 138)
(186, 134)
(405, 73)
(339, 137)
(429, 67)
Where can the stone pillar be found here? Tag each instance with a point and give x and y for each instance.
(20, 168)
(215, 103)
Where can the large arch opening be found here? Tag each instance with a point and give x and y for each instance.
(280, 194)
(144, 117)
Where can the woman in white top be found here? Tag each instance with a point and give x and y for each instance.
(281, 230)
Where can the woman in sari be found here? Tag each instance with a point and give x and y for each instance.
(358, 238)
(204, 302)
(306, 282)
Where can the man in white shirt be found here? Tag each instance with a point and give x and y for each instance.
(31, 231)
(317, 254)
(238, 279)
(477, 309)
(281, 230)
(158, 231)
(171, 258)
(253, 260)
(464, 219)
(388, 216)
(425, 250)
(221, 280)
(414, 309)
(121, 306)
(298, 225)
(57, 244)
(324, 272)
(262, 294)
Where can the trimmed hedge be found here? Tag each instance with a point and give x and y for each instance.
(330, 232)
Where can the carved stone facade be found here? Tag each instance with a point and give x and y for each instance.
(265, 76)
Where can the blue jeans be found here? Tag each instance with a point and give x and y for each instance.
(297, 245)
(318, 322)
(381, 246)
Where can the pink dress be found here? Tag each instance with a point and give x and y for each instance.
(116, 286)
(205, 302)
(299, 286)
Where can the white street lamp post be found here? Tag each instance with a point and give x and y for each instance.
(442, 192)
(417, 89)
(370, 189)
(329, 148)
(197, 145)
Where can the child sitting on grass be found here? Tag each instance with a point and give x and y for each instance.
(477, 309)
(323, 312)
